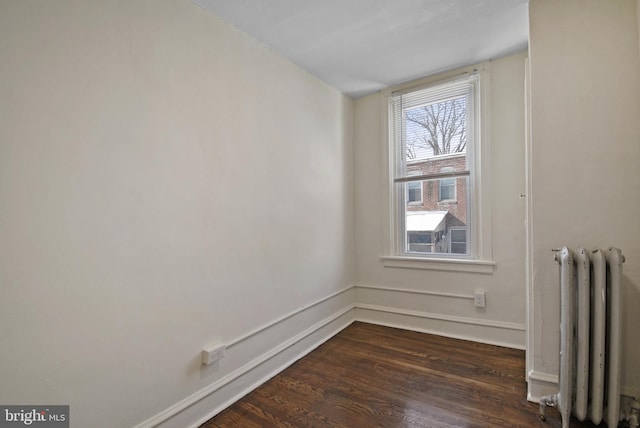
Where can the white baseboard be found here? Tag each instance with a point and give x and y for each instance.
(313, 325)
(540, 384)
(454, 327)
(266, 351)
(284, 361)
(371, 306)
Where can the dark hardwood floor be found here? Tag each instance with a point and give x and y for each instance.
(373, 376)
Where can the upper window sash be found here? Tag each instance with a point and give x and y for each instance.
(401, 101)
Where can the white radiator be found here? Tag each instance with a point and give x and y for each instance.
(589, 336)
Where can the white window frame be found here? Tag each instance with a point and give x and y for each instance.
(479, 259)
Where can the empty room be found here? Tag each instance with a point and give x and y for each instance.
(357, 213)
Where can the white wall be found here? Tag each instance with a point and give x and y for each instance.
(438, 301)
(166, 182)
(585, 147)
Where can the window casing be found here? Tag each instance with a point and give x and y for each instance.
(448, 170)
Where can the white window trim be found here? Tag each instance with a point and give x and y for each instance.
(480, 218)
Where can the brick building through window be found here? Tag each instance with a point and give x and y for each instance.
(436, 211)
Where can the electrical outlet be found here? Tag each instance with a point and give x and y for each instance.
(480, 299)
(213, 353)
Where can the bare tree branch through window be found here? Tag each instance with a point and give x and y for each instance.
(436, 129)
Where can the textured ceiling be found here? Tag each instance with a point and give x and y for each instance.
(361, 46)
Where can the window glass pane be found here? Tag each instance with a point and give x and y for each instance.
(458, 248)
(414, 191)
(419, 238)
(447, 189)
(419, 242)
(420, 248)
(436, 129)
(458, 241)
(458, 235)
(430, 220)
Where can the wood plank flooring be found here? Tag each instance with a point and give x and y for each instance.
(374, 376)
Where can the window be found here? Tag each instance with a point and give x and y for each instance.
(458, 238)
(434, 132)
(447, 186)
(419, 241)
(414, 190)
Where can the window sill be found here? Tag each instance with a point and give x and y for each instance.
(455, 265)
